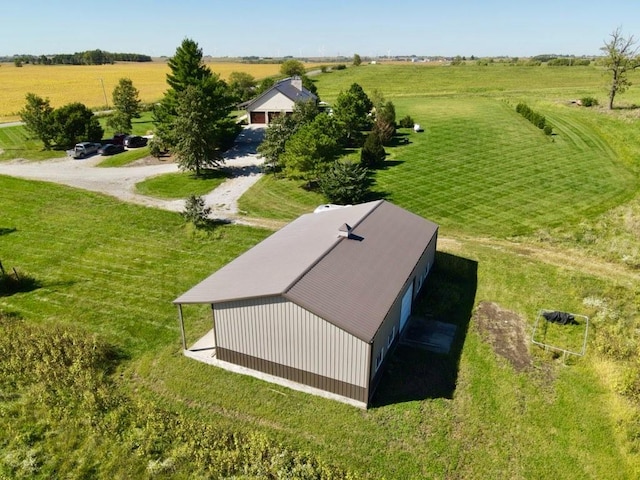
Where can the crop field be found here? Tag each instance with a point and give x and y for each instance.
(527, 222)
(64, 84)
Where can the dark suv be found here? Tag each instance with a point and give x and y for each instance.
(135, 141)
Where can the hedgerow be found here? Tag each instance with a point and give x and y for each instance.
(538, 120)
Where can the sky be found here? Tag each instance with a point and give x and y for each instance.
(312, 28)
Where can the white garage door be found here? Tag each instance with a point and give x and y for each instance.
(405, 311)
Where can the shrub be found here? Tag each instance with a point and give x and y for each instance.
(345, 182)
(589, 101)
(373, 153)
(406, 122)
(195, 211)
(538, 120)
(340, 66)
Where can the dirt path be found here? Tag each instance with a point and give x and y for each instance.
(571, 259)
(120, 182)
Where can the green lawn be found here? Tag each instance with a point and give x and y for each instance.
(481, 171)
(182, 184)
(479, 167)
(113, 269)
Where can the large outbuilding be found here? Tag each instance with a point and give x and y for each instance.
(319, 305)
(278, 100)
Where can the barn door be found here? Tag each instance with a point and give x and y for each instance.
(405, 310)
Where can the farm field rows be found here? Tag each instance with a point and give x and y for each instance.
(495, 183)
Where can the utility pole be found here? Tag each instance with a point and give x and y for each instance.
(106, 102)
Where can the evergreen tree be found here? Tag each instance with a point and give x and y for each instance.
(357, 61)
(199, 132)
(188, 70)
(385, 123)
(345, 183)
(373, 153)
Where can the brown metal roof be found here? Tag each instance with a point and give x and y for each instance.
(355, 285)
(351, 281)
(274, 264)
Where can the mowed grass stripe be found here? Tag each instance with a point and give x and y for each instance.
(114, 277)
(534, 182)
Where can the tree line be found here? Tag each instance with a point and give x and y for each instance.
(88, 57)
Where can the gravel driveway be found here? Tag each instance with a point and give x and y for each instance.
(120, 182)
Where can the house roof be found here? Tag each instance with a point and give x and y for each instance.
(286, 88)
(350, 281)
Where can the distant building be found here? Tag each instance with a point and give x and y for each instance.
(278, 100)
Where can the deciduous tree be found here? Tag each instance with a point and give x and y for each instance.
(351, 109)
(37, 116)
(282, 129)
(126, 105)
(242, 85)
(309, 151)
(357, 61)
(292, 68)
(75, 123)
(621, 55)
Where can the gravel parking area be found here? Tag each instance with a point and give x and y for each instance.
(120, 182)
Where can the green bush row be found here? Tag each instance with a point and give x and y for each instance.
(538, 120)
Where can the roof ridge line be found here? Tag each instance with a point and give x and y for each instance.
(326, 252)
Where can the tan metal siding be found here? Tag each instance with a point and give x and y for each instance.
(282, 333)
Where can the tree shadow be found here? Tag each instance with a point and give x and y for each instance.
(212, 173)
(414, 373)
(399, 140)
(389, 163)
(7, 231)
(13, 282)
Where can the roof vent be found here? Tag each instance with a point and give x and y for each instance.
(344, 230)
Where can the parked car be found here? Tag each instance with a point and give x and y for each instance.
(135, 141)
(110, 149)
(83, 149)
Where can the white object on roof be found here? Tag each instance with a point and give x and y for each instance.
(328, 206)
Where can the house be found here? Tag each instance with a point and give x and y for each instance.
(278, 100)
(319, 305)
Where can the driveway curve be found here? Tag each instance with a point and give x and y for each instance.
(242, 160)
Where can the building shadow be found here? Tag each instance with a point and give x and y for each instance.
(415, 373)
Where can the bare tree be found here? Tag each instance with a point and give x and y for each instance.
(621, 56)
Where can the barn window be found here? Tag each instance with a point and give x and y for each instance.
(379, 358)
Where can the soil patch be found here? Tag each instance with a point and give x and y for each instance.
(505, 331)
(151, 160)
